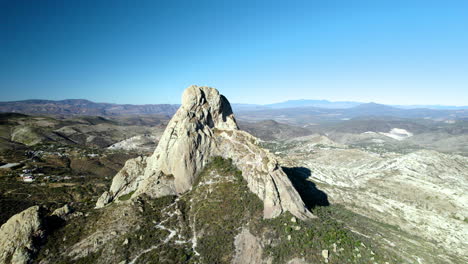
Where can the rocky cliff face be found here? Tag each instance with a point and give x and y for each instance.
(204, 127)
(19, 236)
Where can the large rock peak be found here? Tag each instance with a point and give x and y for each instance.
(204, 127)
(189, 139)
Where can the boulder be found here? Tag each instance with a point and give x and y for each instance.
(63, 211)
(248, 248)
(19, 236)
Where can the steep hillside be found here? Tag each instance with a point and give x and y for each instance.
(219, 221)
(90, 131)
(272, 130)
(421, 195)
(208, 194)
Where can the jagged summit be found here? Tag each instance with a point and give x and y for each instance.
(205, 127)
(211, 108)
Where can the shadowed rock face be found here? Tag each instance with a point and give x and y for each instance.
(203, 127)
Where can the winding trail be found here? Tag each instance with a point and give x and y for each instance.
(171, 235)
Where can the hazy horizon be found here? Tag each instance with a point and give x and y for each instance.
(256, 104)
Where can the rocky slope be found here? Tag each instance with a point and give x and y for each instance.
(202, 128)
(218, 221)
(423, 193)
(96, 132)
(20, 235)
(211, 194)
(272, 130)
(144, 142)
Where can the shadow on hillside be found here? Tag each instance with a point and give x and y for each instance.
(308, 191)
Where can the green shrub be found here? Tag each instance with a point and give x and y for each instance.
(127, 196)
(220, 210)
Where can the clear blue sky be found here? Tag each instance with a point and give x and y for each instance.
(395, 52)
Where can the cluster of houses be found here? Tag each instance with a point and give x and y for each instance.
(27, 176)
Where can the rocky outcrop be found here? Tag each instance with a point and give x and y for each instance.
(204, 127)
(140, 143)
(189, 140)
(63, 212)
(19, 236)
(248, 248)
(125, 181)
(262, 172)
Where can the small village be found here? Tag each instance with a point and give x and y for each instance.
(37, 162)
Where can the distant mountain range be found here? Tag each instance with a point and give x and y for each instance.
(314, 103)
(333, 105)
(312, 115)
(303, 110)
(84, 107)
